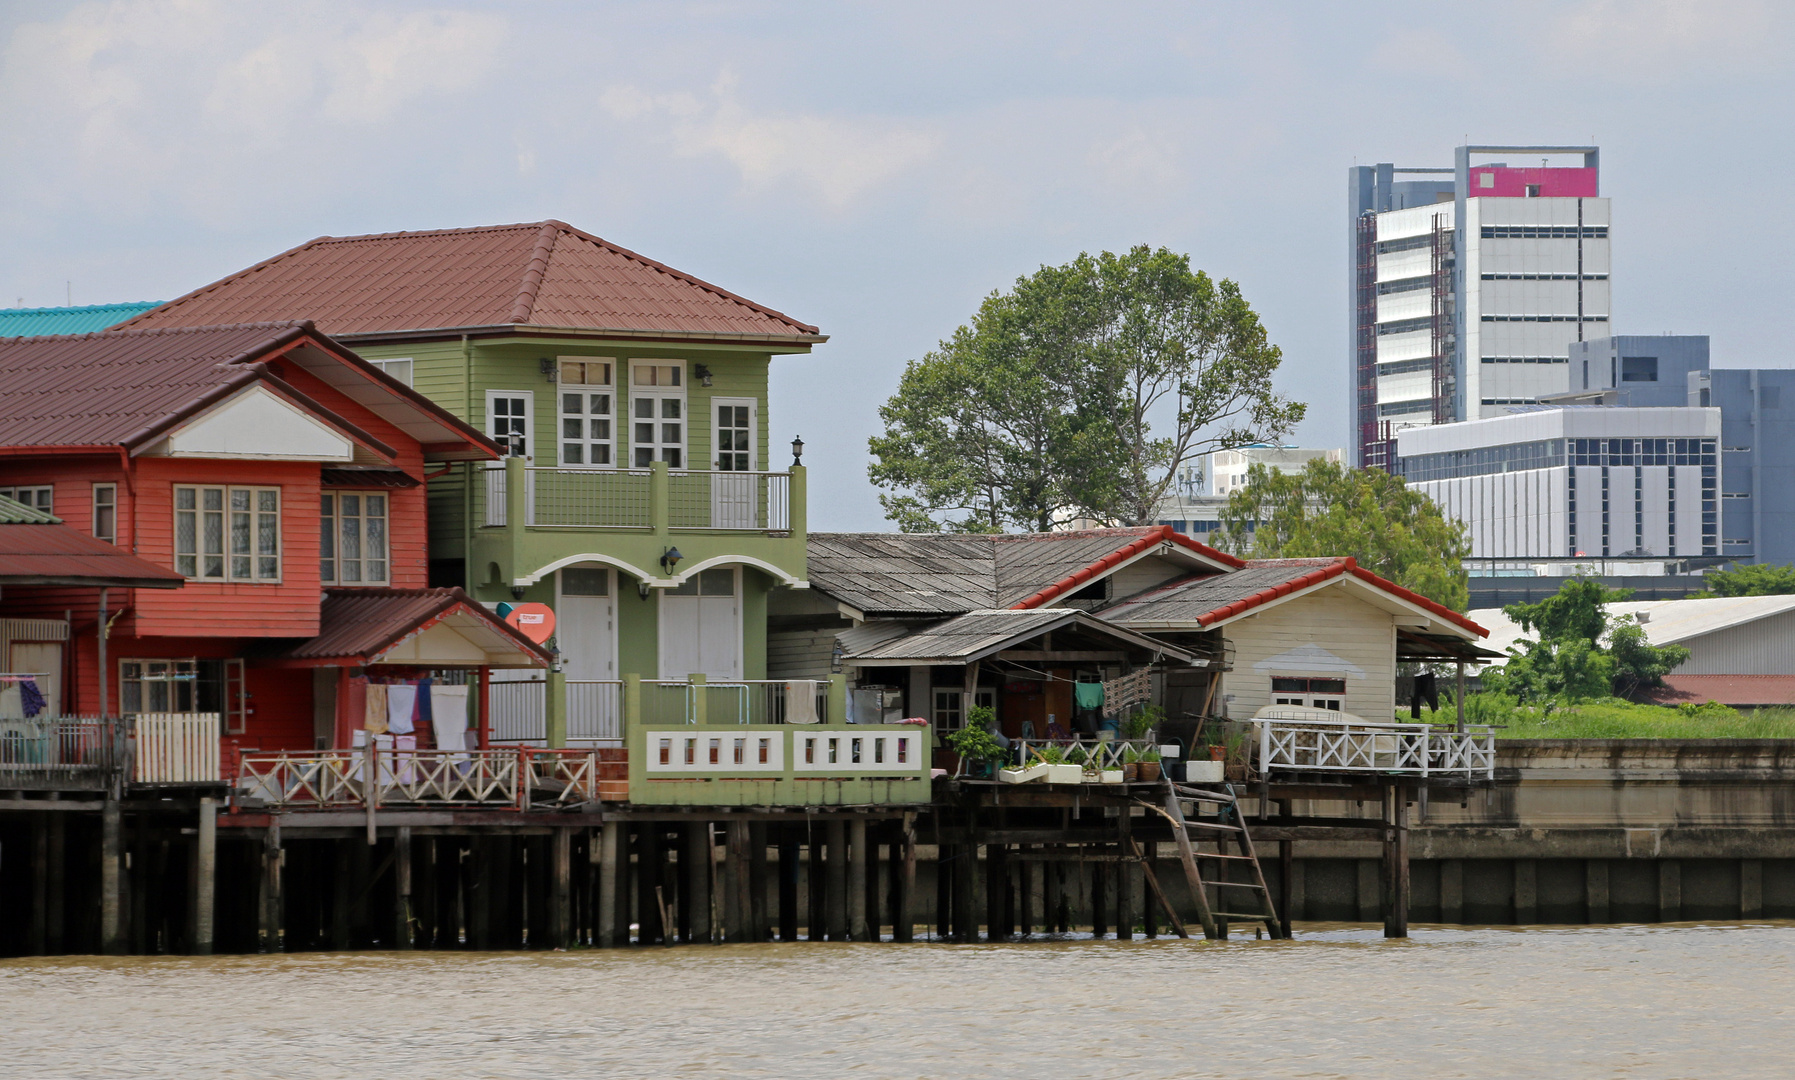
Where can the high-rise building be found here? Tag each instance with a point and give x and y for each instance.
(1457, 323)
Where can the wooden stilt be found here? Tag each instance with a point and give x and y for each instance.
(903, 913)
(816, 919)
(739, 914)
(112, 940)
(649, 862)
(1286, 875)
(695, 883)
(37, 930)
(56, 890)
(835, 868)
(788, 884)
(1396, 862)
(1152, 880)
(610, 888)
(560, 897)
(402, 938)
(1148, 908)
(965, 892)
(1051, 893)
(205, 878)
(757, 881)
(1126, 873)
(856, 880)
(271, 889)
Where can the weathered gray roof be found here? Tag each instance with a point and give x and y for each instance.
(1198, 601)
(934, 573)
(977, 634)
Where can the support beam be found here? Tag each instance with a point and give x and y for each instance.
(903, 915)
(560, 895)
(835, 869)
(757, 881)
(402, 938)
(271, 887)
(205, 878)
(610, 889)
(695, 881)
(737, 912)
(858, 865)
(789, 855)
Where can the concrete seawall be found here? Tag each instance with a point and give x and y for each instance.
(1585, 831)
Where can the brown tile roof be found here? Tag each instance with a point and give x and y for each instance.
(543, 274)
(127, 387)
(937, 573)
(362, 624)
(36, 549)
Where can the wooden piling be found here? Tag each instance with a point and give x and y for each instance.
(37, 930)
(112, 940)
(835, 875)
(1287, 873)
(560, 897)
(816, 920)
(695, 857)
(1396, 862)
(736, 915)
(855, 884)
(788, 883)
(271, 885)
(903, 911)
(56, 891)
(611, 881)
(965, 892)
(205, 878)
(757, 881)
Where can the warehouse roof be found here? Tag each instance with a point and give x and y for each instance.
(35, 322)
(543, 275)
(1666, 622)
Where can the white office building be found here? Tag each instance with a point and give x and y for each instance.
(1558, 482)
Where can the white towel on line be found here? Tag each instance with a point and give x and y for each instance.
(399, 702)
(800, 702)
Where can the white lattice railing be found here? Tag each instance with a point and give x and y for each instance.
(1350, 745)
(511, 778)
(177, 748)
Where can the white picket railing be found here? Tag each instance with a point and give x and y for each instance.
(1351, 745)
(512, 778)
(177, 748)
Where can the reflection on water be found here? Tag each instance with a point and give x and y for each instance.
(1686, 1001)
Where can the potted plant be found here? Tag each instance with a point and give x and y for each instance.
(1149, 765)
(975, 744)
(1237, 756)
(1141, 723)
(1060, 768)
(1131, 764)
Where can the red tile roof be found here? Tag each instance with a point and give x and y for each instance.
(544, 274)
(127, 388)
(52, 554)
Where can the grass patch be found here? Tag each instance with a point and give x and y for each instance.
(1614, 718)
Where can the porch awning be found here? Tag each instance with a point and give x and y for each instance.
(36, 548)
(980, 634)
(437, 628)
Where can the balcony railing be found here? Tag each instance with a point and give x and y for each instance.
(626, 499)
(595, 708)
(53, 751)
(512, 778)
(1306, 744)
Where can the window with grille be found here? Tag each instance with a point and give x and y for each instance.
(586, 412)
(227, 533)
(352, 538)
(735, 438)
(657, 415)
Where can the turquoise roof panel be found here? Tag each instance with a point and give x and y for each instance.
(37, 322)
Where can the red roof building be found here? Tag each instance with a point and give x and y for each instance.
(267, 471)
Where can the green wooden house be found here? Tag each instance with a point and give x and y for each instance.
(650, 499)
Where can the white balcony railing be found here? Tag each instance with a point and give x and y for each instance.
(1311, 743)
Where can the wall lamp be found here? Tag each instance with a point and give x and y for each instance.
(703, 374)
(517, 592)
(797, 452)
(670, 559)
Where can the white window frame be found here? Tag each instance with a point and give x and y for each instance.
(173, 674)
(331, 559)
(1311, 698)
(229, 567)
(752, 453)
(391, 367)
(587, 390)
(37, 496)
(503, 437)
(109, 502)
(670, 415)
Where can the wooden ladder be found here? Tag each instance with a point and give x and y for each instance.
(1232, 894)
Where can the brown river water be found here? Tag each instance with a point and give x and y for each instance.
(1660, 1001)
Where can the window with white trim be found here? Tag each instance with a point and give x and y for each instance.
(105, 512)
(352, 538)
(157, 686)
(398, 367)
(508, 415)
(586, 413)
(227, 533)
(38, 498)
(657, 415)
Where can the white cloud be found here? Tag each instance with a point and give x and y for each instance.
(1650, 38)
(837, 158)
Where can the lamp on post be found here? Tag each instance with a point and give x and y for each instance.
(797, 452)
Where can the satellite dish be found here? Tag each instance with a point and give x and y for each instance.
(534, 621)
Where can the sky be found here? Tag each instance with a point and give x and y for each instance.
(877, 169)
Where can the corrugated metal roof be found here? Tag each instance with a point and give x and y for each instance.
(14, 512)
(36, 552)
(36, 322)
(1667, 622)
(946, 573)
(1195, 600)
(976, 634)
(364, 623)
(542, 274)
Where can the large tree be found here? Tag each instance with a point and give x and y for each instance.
(1329, 509)
(1041, 407)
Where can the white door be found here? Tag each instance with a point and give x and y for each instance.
(585, 632)
(734, 491)
(585, 622)
(701, 627)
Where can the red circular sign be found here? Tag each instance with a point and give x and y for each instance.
(534, 621)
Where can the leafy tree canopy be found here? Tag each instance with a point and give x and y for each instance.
(1330, 509)
(1037, 410)
(1569, 661)
(1752, 579)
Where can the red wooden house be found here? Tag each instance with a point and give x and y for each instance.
(283, 477)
